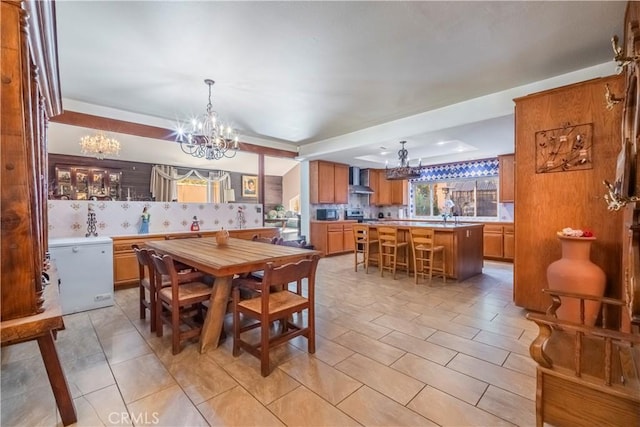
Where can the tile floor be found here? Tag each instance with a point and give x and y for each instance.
(388, 353)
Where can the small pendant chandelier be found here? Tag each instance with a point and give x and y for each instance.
(404, 170)
(207, 136)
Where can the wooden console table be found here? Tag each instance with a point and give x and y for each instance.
(43, 327)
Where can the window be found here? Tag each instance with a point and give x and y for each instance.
(463, 197)
(193, 190)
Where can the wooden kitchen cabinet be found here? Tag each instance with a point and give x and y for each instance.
(506, 172)
(508, 242)
(328, 182)
(399, 190)
(385, 192)
(332, 237)
(493, 241)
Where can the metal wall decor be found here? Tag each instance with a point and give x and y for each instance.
(563, 149)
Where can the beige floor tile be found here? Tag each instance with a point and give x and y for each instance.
(409, 327)
(37, 407)
(22, 376)
(19, 352)
(362, 327)
(447, 326)
(371, 408)
(302, 407)
(523, 364)
(327, 351)
(472, 348)
(487, 325)
(170, 407)
(422, 348)
(517, 320)
(374, 349)
(76, 342)
(124, 346)
(107, 405)
(237, 407)
(201, 378)
(446, 410)
(88, 374)
(140, 377)
(501, 341)
(326, 381)
(509, 406)
(504, 378)
(329, 329)
(394, 384)
(246, 371)
(398, 310)
(444, 379)
(86, 414)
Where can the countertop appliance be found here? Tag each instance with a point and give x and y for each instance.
(85, 271)
(327, 215)
(356, 214)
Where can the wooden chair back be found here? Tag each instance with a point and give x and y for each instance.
(272, 240)
(180, 305)
(270, 306)
(146, 284)
(388, 245)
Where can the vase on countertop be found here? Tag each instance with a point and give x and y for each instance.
(575, 272)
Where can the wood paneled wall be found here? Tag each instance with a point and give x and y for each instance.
(137, 177)
(548, 202)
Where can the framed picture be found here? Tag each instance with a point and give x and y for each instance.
(249, 186)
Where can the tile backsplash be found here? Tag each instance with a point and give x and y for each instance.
(68, 218)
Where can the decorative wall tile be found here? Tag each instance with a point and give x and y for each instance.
(68, 218)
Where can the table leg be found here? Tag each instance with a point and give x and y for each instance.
(215, 315)
(56, 379)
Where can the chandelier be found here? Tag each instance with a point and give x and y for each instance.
(207, 137)
(99, 146)
(404, 170)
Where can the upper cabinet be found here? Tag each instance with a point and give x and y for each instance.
(328, 182)
(507, 178)
(386, 192)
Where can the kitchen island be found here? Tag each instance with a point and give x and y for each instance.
(462, 243)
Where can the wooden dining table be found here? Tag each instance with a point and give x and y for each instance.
(223, 262)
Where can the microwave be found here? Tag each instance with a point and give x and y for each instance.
(327, 214)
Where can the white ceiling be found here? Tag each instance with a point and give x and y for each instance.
(334, 80)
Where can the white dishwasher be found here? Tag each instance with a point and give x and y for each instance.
(85, 270)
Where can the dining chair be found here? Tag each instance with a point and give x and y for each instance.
(178, 305)
(272, 240)
(388, 246)
(365, 240)
(424, 254)
(146, 284)
(281, 305)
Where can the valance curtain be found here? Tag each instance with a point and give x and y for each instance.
(164, 181)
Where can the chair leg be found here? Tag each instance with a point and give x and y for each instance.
(311, 323)
(236, 323)
(394, 261)
(175, 329)
(152, 310)
(143, 309)
(159, 326)
(264, 346)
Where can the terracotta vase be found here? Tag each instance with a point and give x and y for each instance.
(575, 272)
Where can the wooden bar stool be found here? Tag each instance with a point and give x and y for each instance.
(388, 245)
(424, 254)
(364, 241)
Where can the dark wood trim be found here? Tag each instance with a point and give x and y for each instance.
(261, 179)
(120, 126)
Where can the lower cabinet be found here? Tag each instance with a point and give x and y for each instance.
(125, 263)
(498, 242)
(332, 237)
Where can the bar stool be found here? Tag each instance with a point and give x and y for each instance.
(424, 251)
(364, 240)
(388, 245)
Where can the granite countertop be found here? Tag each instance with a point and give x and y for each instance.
(426, 224)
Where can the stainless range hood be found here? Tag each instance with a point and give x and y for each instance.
(354, 182)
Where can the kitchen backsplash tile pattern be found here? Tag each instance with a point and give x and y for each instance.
(68, 218)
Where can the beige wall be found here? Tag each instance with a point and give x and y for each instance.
(290, 185)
